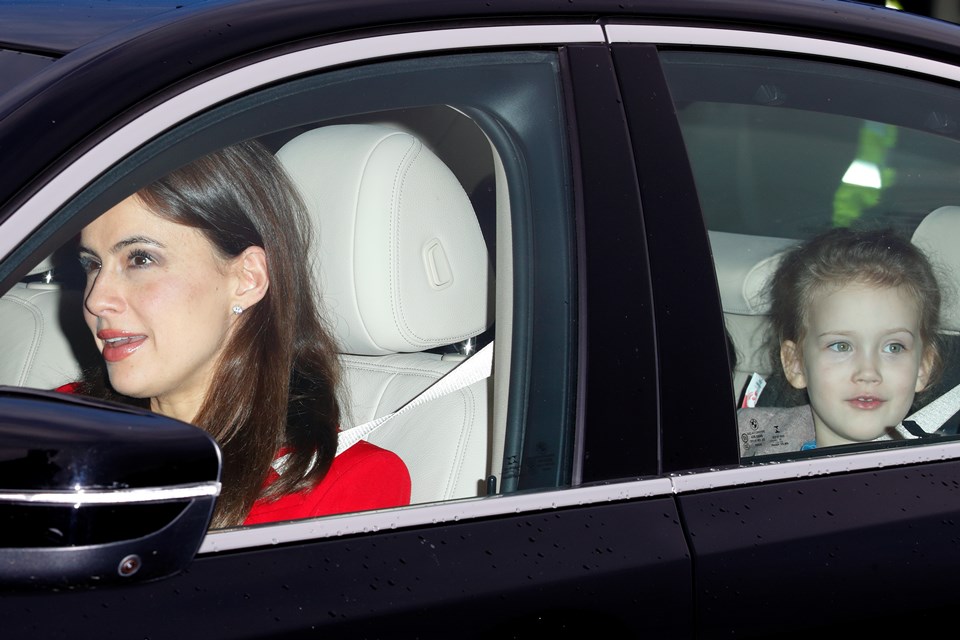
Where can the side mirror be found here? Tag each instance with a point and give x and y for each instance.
(96, 493)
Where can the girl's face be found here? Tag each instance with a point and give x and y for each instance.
(158, 301)
(861, 361)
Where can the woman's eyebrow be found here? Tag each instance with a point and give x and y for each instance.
(126, 242)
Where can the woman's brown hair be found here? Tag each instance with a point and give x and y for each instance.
(277, 380)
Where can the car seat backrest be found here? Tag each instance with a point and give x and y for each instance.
(402, 269)
(938, 235)
(743, 263)
(44, 337)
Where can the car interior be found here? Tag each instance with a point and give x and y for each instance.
(784, 148)
(405, 263)
(404, 269)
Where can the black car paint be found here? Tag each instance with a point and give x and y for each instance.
(850, 552)
(468, 580)
(565, 570)
(53, 444)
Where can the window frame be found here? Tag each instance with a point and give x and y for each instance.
(725, 469)
(120, 146)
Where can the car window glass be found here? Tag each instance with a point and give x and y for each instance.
(468, 115)
(784, 150)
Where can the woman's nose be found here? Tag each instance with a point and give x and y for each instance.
(103, 295)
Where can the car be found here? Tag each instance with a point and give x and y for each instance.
(583, 195)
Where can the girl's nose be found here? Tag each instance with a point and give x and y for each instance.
(867, 370)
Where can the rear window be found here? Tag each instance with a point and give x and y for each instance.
(787, 147)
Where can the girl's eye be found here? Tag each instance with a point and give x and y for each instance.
(842, 347)
(895, 348)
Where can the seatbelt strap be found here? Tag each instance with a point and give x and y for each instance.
(475, 368)
(927, 420)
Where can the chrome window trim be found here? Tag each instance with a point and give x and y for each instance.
(506, 505)
(84, 497)
(136, 133)
(821, 465)
(778, 43)
(433, 513)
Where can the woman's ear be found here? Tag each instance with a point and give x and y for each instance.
(252, 277)
(792, 364)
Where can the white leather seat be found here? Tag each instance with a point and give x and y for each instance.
(43, 334)
(743, 263)
(403, 268)
(938, 234)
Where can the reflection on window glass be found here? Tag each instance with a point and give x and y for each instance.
(789, 148)
(832, 196)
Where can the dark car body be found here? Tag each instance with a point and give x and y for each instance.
(624, 505)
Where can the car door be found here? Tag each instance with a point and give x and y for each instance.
(775, 128)
(529, 120)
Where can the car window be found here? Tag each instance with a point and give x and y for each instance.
(785, 150)
(491, 175)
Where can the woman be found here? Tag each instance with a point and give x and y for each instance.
(201, 299)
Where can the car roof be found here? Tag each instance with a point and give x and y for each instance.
(57, 27)
(54, 28)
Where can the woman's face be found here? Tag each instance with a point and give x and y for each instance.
(158, 301)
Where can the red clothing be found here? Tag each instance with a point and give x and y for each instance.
(362, 477)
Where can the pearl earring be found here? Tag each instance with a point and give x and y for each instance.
(237, 309)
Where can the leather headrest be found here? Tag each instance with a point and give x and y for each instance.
(937, 235)
(404, 265)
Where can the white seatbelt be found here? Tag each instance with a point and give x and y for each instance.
(932, 416)
(475, 368)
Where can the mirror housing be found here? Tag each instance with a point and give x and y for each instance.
(95, 493)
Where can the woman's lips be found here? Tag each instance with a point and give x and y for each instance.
(118, 345)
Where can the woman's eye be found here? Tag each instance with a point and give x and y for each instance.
(842, 347)
(89, 265)
(140, 259)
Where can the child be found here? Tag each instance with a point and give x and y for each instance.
(854, 318)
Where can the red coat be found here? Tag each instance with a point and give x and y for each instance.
(362, 477)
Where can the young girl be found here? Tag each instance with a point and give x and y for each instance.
(854, 318)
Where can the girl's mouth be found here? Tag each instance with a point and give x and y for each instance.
(865, 402)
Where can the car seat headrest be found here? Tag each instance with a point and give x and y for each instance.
(756, 283)
(744, 263)
(937, 235)
(43, 266)
(404, 265)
